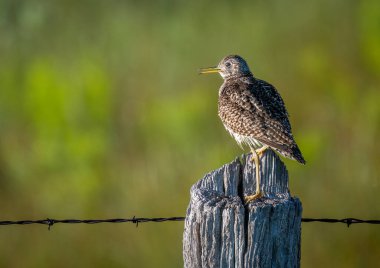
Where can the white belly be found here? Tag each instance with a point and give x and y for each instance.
(245, 140)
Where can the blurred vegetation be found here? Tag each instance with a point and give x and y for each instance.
(102, 114)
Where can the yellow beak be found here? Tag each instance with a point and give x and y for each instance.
(209, 70)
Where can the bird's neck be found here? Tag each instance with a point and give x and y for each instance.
(247, 78)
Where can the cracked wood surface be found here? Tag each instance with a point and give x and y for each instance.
(220, 231)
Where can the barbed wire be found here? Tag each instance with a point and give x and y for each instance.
(347, 221)
(50, 222)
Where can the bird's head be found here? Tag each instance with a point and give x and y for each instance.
(230, 66)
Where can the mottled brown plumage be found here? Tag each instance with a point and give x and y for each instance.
(254, 113)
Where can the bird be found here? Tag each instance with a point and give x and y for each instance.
(254, 113)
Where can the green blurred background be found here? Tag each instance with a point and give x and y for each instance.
(103, 115)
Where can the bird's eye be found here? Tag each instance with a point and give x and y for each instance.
(228, 64)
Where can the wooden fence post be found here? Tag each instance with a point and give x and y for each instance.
(220, 231)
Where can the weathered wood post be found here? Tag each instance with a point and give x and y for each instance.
(220, 231)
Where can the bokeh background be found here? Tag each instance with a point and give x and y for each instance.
(103, 115)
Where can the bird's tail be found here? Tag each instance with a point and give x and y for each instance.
(297, 155)
(292, 152)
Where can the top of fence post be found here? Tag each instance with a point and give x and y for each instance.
(220, 231)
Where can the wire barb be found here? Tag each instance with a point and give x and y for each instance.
(50, 223)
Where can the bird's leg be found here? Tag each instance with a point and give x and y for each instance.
(261, 150)
(258, 193)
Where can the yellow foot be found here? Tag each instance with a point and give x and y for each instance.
(261, 151)
(250, 198)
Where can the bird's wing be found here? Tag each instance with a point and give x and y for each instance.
(257, 110)
(265, 96)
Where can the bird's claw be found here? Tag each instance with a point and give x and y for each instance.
(260, 152)
(250, 198)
